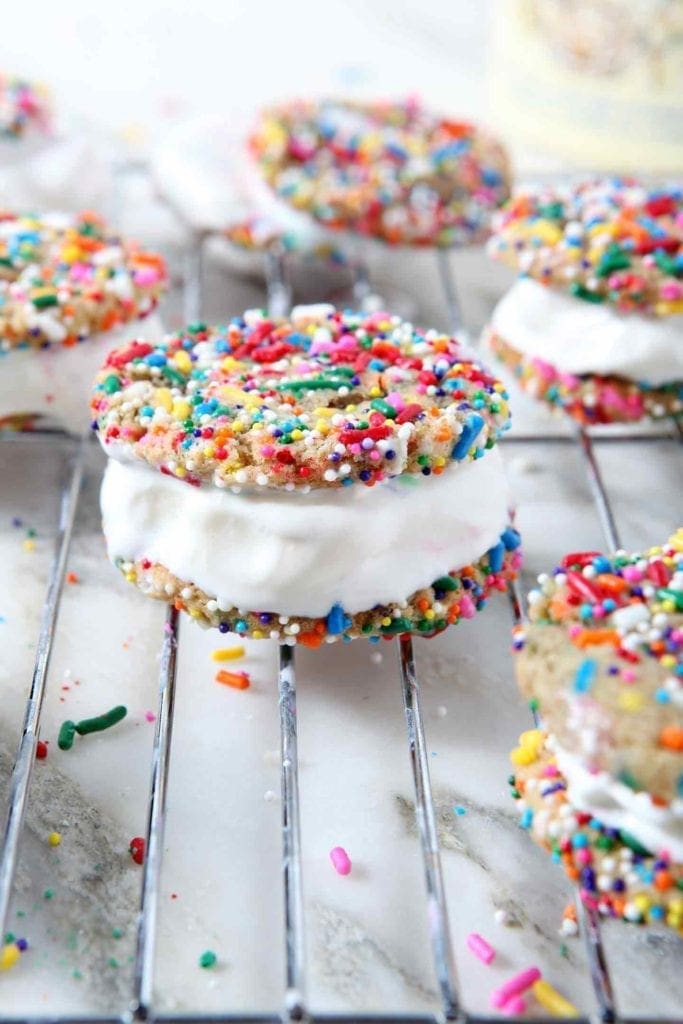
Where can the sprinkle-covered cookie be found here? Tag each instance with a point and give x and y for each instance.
(23, 107)
(324, 399)
(602, 663)
(589, 398)
(64, 278)
(616, 874)
(389, 170)
(610, 240)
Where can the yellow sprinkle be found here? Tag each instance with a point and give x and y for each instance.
(230, 363)
(54, 839)
(227, 653)
(181, 408)
(630, 700)
(350, 408)
(375, 392)
(9, 956)
(71, 253)
(194, 613)
(180, 471)
(130, 576)
(208, 451)
(676, 541)
(322, 426)
(164, 398)
(551, 1000)
(430, 614)
(324, 411)
(238, 427)
(667, 661)
(643, 902)
(182, 361)
(532, 738)
(297, 434)
(257, 634)
(523, 755)
(28, 544)
(386, 621)
(439, 461)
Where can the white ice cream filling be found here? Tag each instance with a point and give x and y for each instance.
(56, 382)
(297, 553)
(581, 337)
(616, 805)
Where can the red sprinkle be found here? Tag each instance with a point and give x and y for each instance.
(579, 558)
(41, 750)
(137, 849)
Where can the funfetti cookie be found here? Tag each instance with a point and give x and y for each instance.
(331, 475)
(388, 170)
(594, 325)
(25, 115)
(601, 783)
(70, 289)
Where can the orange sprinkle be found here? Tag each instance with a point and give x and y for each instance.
(238, 680)
(72, 577)
(671, 737)
(612, 584)
(663, 880)
(590, 637)
(570, 912)
(312, 640)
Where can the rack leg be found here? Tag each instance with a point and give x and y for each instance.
(279, 293)
(291, 840)
(602, 985)
(193, 278)
(26, 754)
(450, 291)
(597, 486)
(437, 913)
(143, 976)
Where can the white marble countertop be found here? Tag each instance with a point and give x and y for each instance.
(366, 933)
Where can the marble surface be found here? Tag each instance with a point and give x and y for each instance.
(366, 933)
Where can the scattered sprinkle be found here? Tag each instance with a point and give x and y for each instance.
(208, 959)
(480, 947)
(228, 653)
(238, 680)
(136, 848)
(340, 860)
(54, 839)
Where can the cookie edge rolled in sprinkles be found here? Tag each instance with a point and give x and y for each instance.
(645, 887)
(632, 259)
(365, 207)
(589, 398)
(424, 402)
(458, 594)
(67, 277)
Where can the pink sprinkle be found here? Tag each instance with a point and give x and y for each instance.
(395, 399)
(150, 716)
(632, 574)
(340, 860)
(671, 290)
(550, 771)
(575, 630)
(514, 1007)
(480, 947)
(584, 856)
(628, 675)
(147, 275)
(467, 609)
(520, 983)
(267, 450)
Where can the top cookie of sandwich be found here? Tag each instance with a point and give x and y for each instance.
(603, 241)
(64, 277)
(23, 106)
(602, 661)
(389, 170)
(321, 400)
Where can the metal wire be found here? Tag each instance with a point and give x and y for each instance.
(143, 972)
(23, 766)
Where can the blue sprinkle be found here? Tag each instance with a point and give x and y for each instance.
(662, 696)
(585, 675)
(471, 431)
(511, 539)
(336, 620)
(600, 564)
(459, 810)
(155, 359)
(495, 556)
(527, 818)
(579, 840)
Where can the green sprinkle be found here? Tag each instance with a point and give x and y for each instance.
(48, 894)
(581, 292)
(397, 626)
(552, 211)
(43, 301)
(534, 704)
(196, 328)
(175, 375)
(381, 406)
(445, 583)
(633, 843)
(116, 933)
(112, 962)
(102, 722)
(111, 384)
(9, 937)
(78, 975)
(612, 259)
(563, 950)
(67, 732)
(668, 265)
(664, 594)
(313, 384)
(207, 959)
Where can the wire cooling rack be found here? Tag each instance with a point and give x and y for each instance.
(294, 1004)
